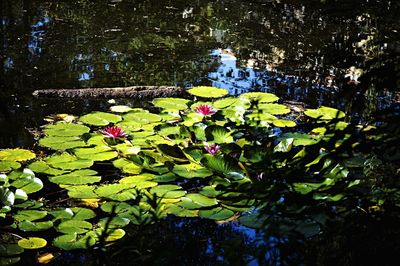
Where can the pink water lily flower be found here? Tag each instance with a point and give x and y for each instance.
(114, 132)
(212, 149)
(205, 109)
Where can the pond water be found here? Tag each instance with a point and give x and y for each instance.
(343, 54)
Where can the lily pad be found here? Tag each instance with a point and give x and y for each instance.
(78, 177)
(261, 97)
(216, 214)
(118, 192)
(208, 92)
(120, 109)
(73, 241)
(100, 119)
(283, 123)
(62, 143)
(302, 139)
(142, 118)
(324, 113)
(171, 103)
(28, 184)
(35, 226)
(218, 134)
(97, 153)
(67, 161)
(191, 170)
(65, 129)
(274, 108)
(168, 191)
(32, 243)
(29, 215)
(18, 155)
(181, 212)
(9, 165)
(10, 250)
(74, 226)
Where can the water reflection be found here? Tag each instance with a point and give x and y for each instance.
(313, 53)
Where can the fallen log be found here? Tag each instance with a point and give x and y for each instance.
(136, 92)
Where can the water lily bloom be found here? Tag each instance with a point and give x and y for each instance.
(212, 149)
(114, 132)
(205, 109)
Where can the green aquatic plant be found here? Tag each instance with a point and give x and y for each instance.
(219, 159)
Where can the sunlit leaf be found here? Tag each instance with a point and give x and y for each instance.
(261, 97)
(100, 119)
(208, 92)
(324, 113)
(35, 226)
(74, 226)
(62, 143)
(62, 129)
(73, 241)
(18, 155)
(171, 103)
(32, 243)
(191, 170)
(67, 161)
(79, 177)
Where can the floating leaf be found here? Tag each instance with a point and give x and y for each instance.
(202, 200)
(32, 243)
(284, 146)
(114, 235)
(220, 164)
(113, 222)
(302, 139)
(29, 184)
(73, 241)
(10, 250)
(171, 103)
(74, 226)
(216, 214)
(261, 97)
(29, 215)
(127, 148)
(181, 212)
(283, 123)
(18, 155)
(231, 101)
(65, 129)
(62, 143)
(142, 118)
(82, 192)
(139, 181)
(98, 153)
(130, 126)
(43, 167)
(9, 165)
(78, 177)
(274, 108)
(82, 213)
(35, 226)
(168, 191)
(208, 92)
(67, 161)
(191, 170)
(218, 134)
(324, 113)
(100, 119)
(119, 192)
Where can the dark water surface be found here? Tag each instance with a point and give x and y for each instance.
(308, 51)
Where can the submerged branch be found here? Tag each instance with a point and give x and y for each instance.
(137, 92)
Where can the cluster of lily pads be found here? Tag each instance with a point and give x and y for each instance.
(185, 157)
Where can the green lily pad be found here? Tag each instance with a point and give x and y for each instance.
(208, 92)
(97, 153)
(181, 212)
(82, 213)
(119, 192)
(274, 108)
(127, 148)
(73, 241)
(302, 139)
(29, 184)
(324, 113)
(139, 181)
(32, 243)
(65, 129)
(9, 165)
(171, 103)
(220, 164)
(35, 226)
(10, 250)
(216, 214)
(62, 143)
(79, 177)
(43, 167)
(67, 161)
(114, 235)
(18, 155)
(202, 200)
(261, 97)
(130, 126)
(64, 213)
(82, 192)
(142, 118)
(231, 101)
(74, 226)
(30, 215)
(100, 118)
(168, 191)
(218, 134)
(283, 123)
(127, 166)
(113, 222)
(191, 170)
